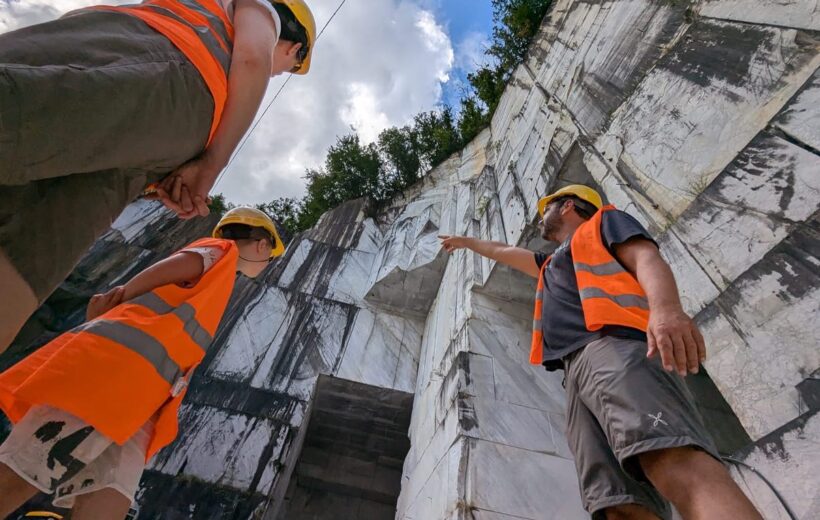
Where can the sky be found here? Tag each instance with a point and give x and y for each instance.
(378, 63)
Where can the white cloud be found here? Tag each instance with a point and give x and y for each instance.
(469, 54)
(362, 112)
(376, 65)
(20, 13)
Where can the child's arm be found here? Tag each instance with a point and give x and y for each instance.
(251, 61)
(177, 268)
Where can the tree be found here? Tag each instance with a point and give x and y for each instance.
(437, 136)
(517, 22)
(472, 119)
(285, 211)
(401, 161)
(218, 205)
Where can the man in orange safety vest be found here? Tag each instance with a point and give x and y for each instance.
(607, 312)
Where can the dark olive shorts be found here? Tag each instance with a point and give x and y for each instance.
(93, 107)
(621, 404)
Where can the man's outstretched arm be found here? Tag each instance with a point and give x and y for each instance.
(516, 257)
(671, 332)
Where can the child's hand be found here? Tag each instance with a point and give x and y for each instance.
(102, 303)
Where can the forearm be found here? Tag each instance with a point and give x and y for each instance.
(658, 282)
(179, 268)
(247, 83)
(516, 257)
(488, 248)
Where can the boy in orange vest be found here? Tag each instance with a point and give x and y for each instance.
(607, 312)
(91, 407)
(105, 101)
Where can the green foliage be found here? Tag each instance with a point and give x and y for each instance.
(401, 160)
(284, 211)
(517, 22)
(473, 118)
(381, 170)
(437, 136)
(218, 205)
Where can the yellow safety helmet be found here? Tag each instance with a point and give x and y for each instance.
(579, 190)
(303, 15)
(254, 218)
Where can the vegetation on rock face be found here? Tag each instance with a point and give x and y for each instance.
(218, 205)
(383, 169)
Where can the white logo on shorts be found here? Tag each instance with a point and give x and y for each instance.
(657, 419)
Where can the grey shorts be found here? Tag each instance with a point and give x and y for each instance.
(621, 404)
(93, 107)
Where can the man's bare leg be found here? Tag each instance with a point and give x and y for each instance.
(105, 504)
(14, 491)
(629, 512)
(699, 486)
(17, 302)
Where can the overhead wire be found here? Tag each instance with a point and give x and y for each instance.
(281, 88)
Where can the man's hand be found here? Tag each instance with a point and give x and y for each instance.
(674, 335)
(451, 243)
(670, 332)
(102, 303)
(185, 190)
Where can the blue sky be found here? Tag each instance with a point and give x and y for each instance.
(465, 21)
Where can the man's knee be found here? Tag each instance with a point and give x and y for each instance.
(629, 512)
(678, 469)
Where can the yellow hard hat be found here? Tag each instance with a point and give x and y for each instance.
(254, 218)
(579, 190)
(303, 15)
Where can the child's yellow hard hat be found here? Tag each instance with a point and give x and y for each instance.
(254, 218)
(303, 15)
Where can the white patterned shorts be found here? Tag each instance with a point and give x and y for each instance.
(58, 453)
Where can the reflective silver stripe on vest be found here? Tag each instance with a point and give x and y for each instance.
(185, 312)
(536, 325)
(199, 335)
(203, 33)
(147, 346)
(539, 295)
(153, 302)
(601, 269)
(216, 22)
(624, 300)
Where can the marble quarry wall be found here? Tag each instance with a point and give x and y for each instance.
(701, 119)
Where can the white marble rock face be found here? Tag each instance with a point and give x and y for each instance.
(699, 118)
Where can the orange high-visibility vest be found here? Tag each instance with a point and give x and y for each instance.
(201, 30)
(610, 295)
(116, 371)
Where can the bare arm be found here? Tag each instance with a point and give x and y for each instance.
(671, 332)
(515, 257)
(248, 78)
(178, 268)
